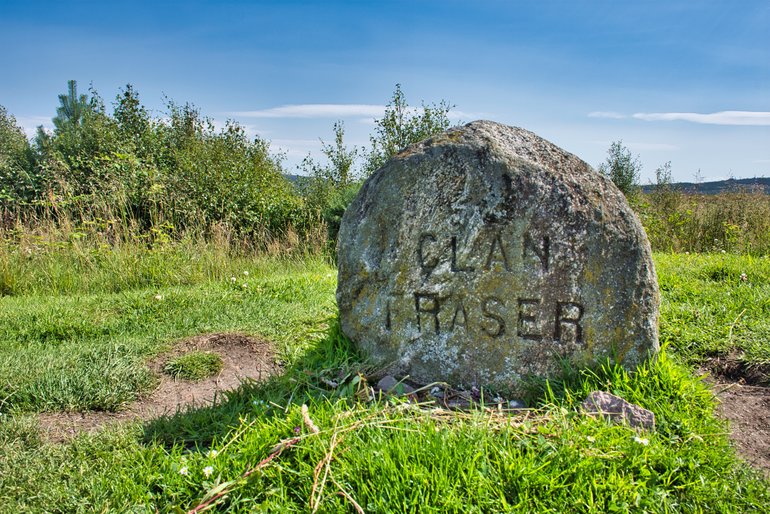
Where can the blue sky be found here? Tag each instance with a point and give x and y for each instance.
(680, 81)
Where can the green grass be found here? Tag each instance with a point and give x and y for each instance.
(86, 350)
(709, 310)
(195, 365)
(387, 456)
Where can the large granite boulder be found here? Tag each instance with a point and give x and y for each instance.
(487, 254)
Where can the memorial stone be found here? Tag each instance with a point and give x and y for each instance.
(487, 254)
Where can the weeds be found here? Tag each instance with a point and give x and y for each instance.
(737, 222)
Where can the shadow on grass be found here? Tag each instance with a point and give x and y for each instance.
(327, 369)
(332, 369)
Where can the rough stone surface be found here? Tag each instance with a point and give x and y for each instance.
(487, 254)
(619, 410)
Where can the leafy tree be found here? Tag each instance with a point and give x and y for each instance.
(17, 178)
(133, 120)
(330, 187)
(622, 168)
(402, 125)
(225, 177)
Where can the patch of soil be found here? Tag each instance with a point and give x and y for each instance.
(243, 357)
(733, 368)
(744, 400)
(747, 408)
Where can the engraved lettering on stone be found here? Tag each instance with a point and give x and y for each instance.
(528, 327)
(427, 303)
(568, 328)
(497, 254)
(541, 251)
(460, 318)
(497, 326)
(423, 253)
(455, 266)
(482, 271)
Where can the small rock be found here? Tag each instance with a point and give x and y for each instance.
(516, 404)
(437, 392)
(389, 384)
(459, 404)
(618, 409)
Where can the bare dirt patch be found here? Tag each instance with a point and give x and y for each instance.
(744, 400)
(244, 358)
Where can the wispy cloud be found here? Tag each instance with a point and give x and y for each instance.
(612, 115)
(295, 148)
(315, 111)
(364, 111)
(30, 123)
(714, 118)
(652, 146)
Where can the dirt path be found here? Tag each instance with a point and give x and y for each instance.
(747, 407)
(243, 357)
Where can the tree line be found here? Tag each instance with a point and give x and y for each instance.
(161, 177)
(178, 171)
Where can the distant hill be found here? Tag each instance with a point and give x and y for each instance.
(720, 186)
(732, 185)
(293, 178)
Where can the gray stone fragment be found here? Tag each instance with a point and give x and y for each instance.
(619, 410)
(389, 384)
(485, 255)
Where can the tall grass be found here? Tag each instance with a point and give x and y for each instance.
(54, 251)
(734, 222)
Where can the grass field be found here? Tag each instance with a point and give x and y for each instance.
(76, 329)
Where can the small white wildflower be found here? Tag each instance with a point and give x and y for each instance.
(246, 273)
(207, 471)
(158, 296)
(590, 439)
(641, 440)
(244, 285)
(329, 275)
(233, 280)
(724, 251)
(213, 454)
(184, 471)
(744, 277)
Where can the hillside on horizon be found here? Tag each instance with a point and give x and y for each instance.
(731, 185)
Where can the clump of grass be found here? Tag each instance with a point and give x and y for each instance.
(195, 365)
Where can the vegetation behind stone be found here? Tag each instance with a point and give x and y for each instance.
(119, 173)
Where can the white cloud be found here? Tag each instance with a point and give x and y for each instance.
(652, 146)
(612, 115)
(30, 123)
(295, 148)
(715, 118)
(315, 111)
(365, 111)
